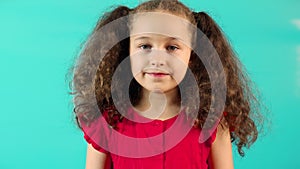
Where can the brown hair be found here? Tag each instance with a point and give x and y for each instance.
(241, 114)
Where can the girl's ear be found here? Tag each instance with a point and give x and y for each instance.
(190, 62)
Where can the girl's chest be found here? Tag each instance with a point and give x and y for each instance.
(156, 146)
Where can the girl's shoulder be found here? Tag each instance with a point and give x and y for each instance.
(96, 132)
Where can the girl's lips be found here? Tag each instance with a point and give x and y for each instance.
(157, 74)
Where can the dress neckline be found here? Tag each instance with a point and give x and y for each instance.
(136, 117)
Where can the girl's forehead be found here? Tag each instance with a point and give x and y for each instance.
(150, 37)
(160, 23)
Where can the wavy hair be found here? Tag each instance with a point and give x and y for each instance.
(92, 87)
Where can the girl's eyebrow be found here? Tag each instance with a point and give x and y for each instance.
(141, 38)
(166, 38)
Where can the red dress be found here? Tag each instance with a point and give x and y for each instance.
(156, 144)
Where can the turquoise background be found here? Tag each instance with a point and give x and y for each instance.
(39, 39)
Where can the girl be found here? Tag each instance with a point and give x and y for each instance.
(150, 99)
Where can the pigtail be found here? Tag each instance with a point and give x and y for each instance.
(240, 101)
(91, 79)
(206, 24)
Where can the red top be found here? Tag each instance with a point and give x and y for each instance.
(168, 144)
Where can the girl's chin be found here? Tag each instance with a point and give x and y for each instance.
(157, 91)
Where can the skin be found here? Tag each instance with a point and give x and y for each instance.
(159, 63)
(96, 159)
(221, 150)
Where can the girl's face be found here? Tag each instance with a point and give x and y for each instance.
(159, 51)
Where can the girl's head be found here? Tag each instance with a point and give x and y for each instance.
(160, 42)
(161, 45)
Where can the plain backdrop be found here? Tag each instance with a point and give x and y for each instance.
(38, 43)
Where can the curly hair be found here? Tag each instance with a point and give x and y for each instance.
(92, 75)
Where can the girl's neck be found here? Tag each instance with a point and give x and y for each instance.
(158, 105)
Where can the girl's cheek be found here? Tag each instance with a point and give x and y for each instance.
(179, 67)
(137, 64)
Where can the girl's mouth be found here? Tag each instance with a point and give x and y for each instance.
(157, 74)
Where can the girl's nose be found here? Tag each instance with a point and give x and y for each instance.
(158, 58)
(157, 62)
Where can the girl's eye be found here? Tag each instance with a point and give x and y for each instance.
(172, 48)
(145, 47)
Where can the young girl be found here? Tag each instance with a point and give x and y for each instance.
(144, 96)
